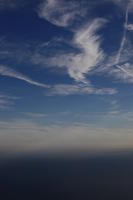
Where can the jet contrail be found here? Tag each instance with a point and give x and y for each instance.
(5, 71)
(125, 71)
(123, 38)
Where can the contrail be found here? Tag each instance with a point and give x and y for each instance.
(5, 71)
(123, 38)
(125, 71)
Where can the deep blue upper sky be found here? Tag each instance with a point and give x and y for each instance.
(66, 62)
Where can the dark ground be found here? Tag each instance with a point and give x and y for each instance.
(98, 177)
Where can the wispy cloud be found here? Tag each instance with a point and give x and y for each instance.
(120, 66)
(123, 38)
(122, 73)
(91, 54)
(11, 4)
(7, 102)
(79, 89)
(84, 56)
(61, 13)
(86, 52)
(35, 115)
(5, 71)
(59, 89)
(123, 4)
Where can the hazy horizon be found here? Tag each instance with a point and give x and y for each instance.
(66, 100)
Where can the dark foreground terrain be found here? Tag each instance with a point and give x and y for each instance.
(90, 177)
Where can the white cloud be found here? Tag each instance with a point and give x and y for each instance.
(87, 42)
(79, 89)
(61, 13)
(5, 71)
(91, 55)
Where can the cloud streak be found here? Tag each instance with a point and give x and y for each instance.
(5, 71)
(119, 66)
(79, 89)
(59, 89)
(123, 72)
(7, 102)
(123, 38)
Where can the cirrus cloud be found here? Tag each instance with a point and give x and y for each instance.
(61, 13)
(5, 71)
(87, 43)
(79, 89)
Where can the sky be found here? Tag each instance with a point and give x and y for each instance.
(66, 75)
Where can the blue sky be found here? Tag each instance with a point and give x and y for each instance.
(66, 75)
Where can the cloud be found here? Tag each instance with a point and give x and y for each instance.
(123, 38)
(119, 66)
(59, 89)
(61, 13)
(7, 102)
(123, 4)
(10, 4)
(84, 56)
(35, 115)
(5, 71)
(91, 55)
(122, 72)
(129, 27)
(79, 89)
